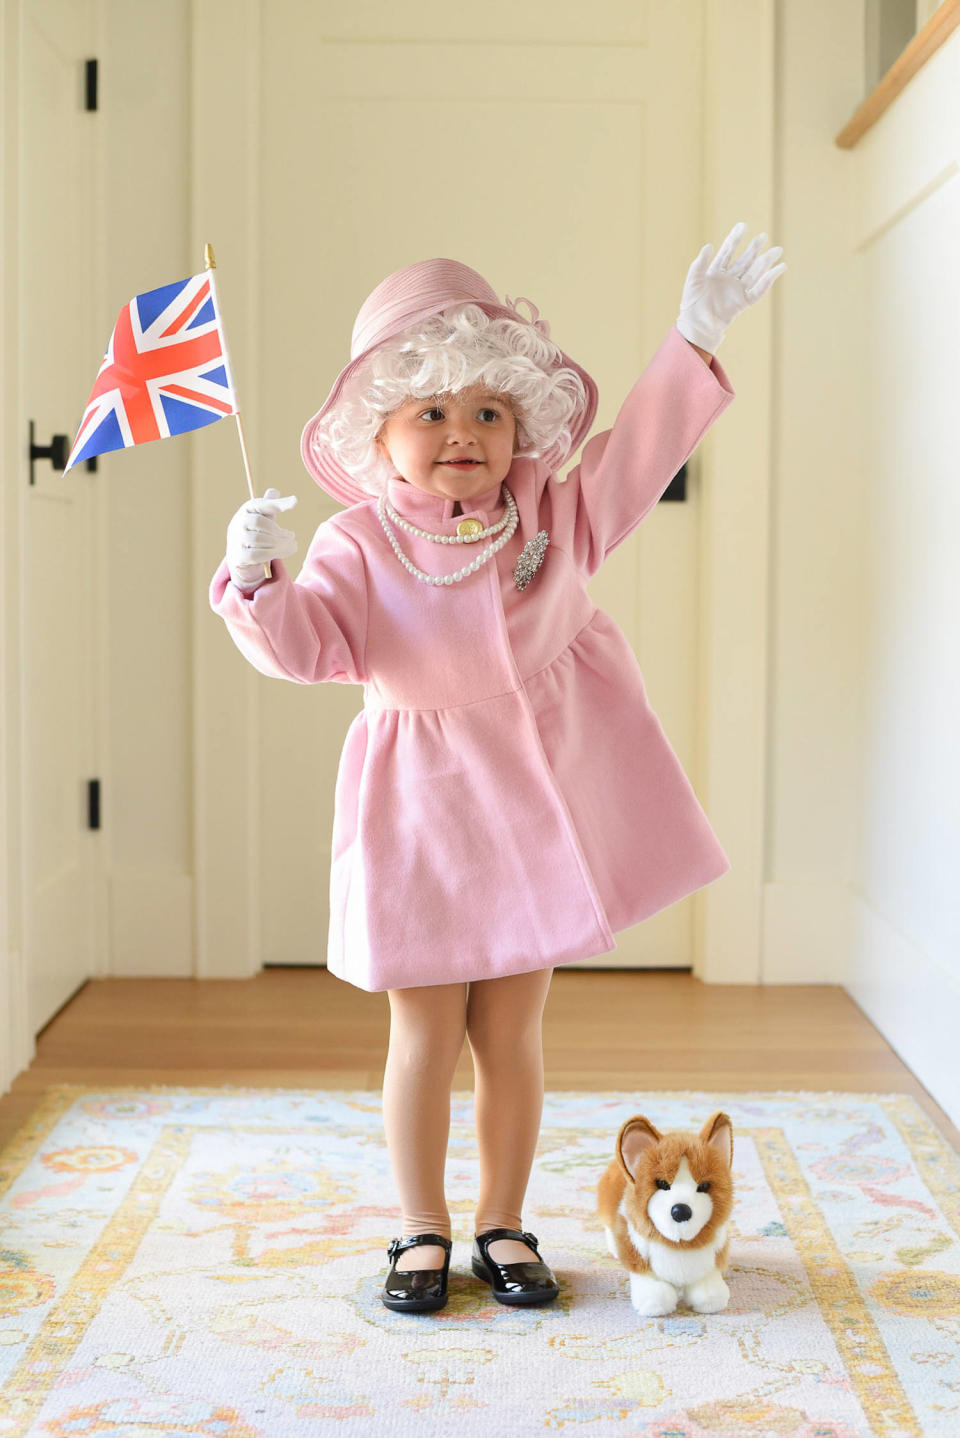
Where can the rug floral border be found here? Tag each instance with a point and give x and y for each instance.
(841, 1303)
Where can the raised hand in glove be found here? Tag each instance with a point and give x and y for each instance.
(254, 538)
(718, 290)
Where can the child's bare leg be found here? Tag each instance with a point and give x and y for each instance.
(504, 1030)
(427, 1027)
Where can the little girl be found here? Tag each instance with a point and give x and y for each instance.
(506, 800)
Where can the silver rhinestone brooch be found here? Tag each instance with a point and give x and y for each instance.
(531, 558)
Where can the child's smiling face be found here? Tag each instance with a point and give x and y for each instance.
(424, 435)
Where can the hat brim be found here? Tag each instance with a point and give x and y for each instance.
(323, 466)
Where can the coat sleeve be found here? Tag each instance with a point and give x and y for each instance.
(624, 470)
(309, 629)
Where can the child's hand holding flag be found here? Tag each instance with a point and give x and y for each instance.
(254, 538)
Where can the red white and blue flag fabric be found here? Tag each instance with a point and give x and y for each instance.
(166, 371)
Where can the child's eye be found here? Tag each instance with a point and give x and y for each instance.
(436, 410)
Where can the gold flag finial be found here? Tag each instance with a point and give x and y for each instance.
(209, 263)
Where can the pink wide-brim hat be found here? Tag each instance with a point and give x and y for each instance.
(402, 299)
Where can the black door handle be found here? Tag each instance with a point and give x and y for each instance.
(56, 451)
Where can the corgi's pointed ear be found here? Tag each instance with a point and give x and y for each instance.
(635, 1137)
(717, 1133)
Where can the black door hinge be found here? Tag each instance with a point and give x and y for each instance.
(92, 81)
(676, 490)
(93, 804)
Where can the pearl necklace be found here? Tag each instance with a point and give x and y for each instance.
(508, 523)
(470, 537)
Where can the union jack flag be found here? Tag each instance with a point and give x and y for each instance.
(166, 371)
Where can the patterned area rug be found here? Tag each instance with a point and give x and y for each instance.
(208, 1261)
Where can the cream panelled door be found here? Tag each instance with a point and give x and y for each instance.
(58, 215)
(557, 149)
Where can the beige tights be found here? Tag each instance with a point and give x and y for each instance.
(501, 1019)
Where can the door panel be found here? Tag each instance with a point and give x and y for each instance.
(59, 564)
(563, 161)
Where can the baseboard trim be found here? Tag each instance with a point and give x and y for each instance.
(822, 933)
(17, 1045)
(151, 924)
(807, 933)
(912, 999)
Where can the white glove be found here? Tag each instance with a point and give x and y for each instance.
(715, 293)
(254, 538)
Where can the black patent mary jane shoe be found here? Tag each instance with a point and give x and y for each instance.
(417, 1289)
(518, 1284)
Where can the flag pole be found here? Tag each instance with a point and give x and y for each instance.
(210, 265)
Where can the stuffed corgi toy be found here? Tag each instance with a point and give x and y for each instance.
(664, 1202)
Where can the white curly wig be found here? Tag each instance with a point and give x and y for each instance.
(450, 351)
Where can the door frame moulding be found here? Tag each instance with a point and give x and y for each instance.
(225, 194)
(739, 148)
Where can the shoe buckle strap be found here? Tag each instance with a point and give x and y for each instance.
(399, 1245)
(492, 1234)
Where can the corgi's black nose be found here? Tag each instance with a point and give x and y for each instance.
(680, 1212)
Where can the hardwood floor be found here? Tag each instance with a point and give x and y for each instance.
(602, 1029)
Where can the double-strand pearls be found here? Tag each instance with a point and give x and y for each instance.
(508, 523)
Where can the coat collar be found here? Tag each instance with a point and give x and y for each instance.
(425, 509)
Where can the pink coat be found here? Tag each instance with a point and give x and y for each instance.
(506, 799)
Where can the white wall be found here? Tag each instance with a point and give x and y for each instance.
(905, 969)
(863, 797)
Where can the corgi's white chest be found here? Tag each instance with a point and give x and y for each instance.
(679, 1266)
